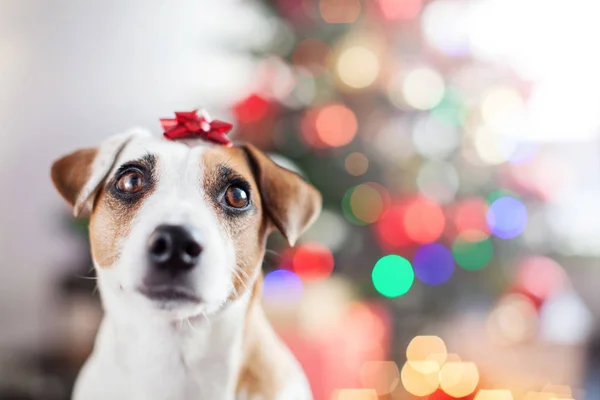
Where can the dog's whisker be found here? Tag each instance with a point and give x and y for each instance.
(207, 319)
(93, 278)
(190, 324)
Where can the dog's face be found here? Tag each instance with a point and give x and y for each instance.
(180, 227)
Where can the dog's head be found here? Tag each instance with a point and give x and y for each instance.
(180, 226)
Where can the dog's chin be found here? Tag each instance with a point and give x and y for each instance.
(176, 302)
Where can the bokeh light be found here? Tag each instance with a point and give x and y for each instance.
(336, 125)
(356, 394)
(395, 10)
(339, 11)
(459, 379)
(438, 181)
(424, 220)
(282, 287)
(251, 109)
(311, 54)
(390, 228)
(470, 215)
(494, 394)
(358, 67)
(451, 111)
(365, 203)
(422, 381)
(445, 26)
(426, 349)
(501, 108)
(423, 88)
(433, 264)
(507, 217)
(382, 376)
(493, 148)
(330, 229)
(472, 250)
(541, 277)
(513, 320)
(356, 164)
(434, 139)
(312, 261)
(393, 275)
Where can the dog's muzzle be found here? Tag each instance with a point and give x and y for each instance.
(173, 249)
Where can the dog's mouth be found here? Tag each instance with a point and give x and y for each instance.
(169, 293)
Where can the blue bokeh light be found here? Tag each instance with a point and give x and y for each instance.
(507, 217)
(282, 286)
(433, 264)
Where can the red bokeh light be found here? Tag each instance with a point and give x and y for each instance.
(251, 109)
(470, 216)
(424, 220)
(541, 277)
(390, 228)
(312, 261)
(400, 9)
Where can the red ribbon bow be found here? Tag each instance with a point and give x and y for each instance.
(188, 124)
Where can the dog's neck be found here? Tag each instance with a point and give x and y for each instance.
(200, 355)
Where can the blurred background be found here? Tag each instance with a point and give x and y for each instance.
(455, 143)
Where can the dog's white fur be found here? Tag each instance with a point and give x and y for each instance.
(172, 352)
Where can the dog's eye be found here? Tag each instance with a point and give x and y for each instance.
(131, 182)
(236, 197)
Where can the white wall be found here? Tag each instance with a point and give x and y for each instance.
(74, 72)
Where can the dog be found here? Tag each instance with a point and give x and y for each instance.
(178, 232)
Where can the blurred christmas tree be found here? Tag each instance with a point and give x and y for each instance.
(384, 108)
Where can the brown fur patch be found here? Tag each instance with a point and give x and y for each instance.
(111, 221)
(248, 231)
(266, 365)
(71, 172)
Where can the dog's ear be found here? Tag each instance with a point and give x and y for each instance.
(291, 203)
(79, 175)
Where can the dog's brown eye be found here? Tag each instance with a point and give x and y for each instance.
(236, 197)
(131, 182)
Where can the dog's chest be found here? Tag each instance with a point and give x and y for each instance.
(187, 363)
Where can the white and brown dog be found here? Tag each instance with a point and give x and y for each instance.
(178, 232)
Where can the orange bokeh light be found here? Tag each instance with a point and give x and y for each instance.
(336, 125)
(312, 54)
(424, 220)
(312, 261)
(339, 11)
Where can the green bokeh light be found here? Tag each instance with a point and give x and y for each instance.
(496, 194)
(451, 110)
(472, 255)
(393, 275)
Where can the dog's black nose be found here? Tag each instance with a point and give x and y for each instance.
(173, 248)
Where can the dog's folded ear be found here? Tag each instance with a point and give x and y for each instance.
(291, 203)
(79, 175)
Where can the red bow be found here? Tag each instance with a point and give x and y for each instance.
(188, 124)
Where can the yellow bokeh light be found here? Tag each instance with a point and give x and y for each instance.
(426, 348)
(356, 164)
(339, 11)
(358, 67)
(491, 147)
(501, 107)
(494, 395)
(423, 88)
(459, 379)
(422, 380)
(559, 391)
(367, 203)
(355, 394)
(382, 376)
